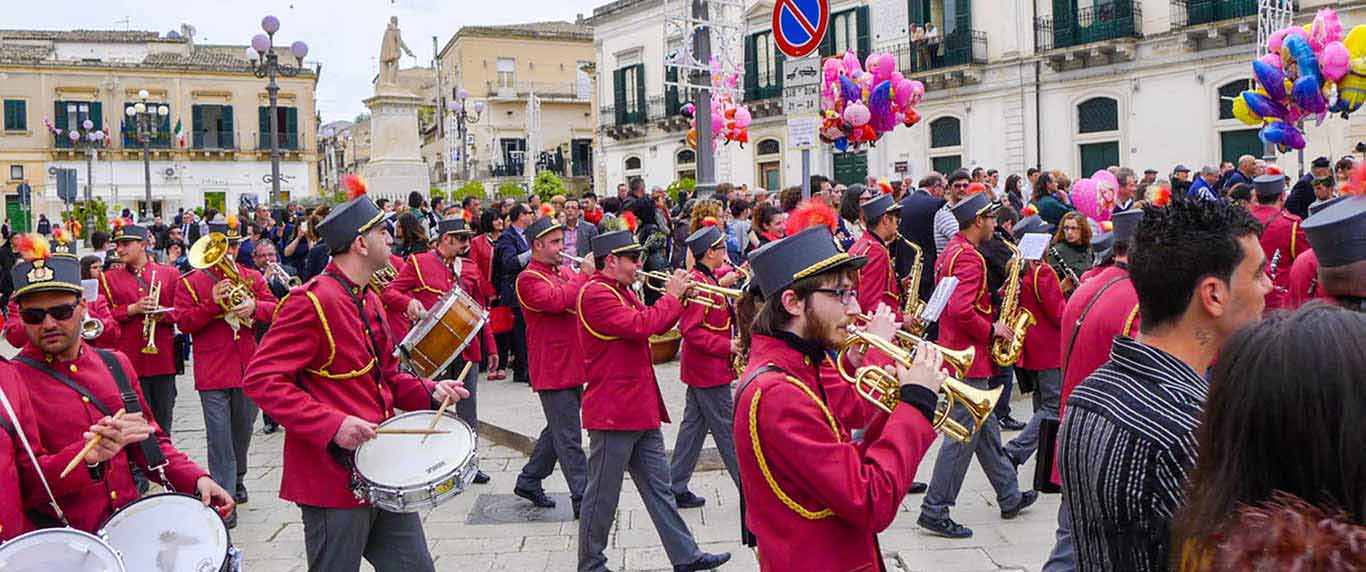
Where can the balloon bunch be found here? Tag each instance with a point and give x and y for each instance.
(860, 103)
(729, 120)
(1308, 71)
(1095, 197)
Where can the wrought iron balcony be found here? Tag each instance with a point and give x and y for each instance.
(1210, 24)
(1097, 35)
(509, 169)
(946, 62)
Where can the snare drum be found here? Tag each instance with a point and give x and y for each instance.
(402, 473)
(65, 549)
(169, 533)
(437, 339)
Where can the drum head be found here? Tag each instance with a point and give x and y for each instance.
(168, 533)
(65, 549)
(401, 461)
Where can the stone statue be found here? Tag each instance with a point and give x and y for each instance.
(389, 54)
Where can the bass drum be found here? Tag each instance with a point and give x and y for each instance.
(64, 549)
(170, 533)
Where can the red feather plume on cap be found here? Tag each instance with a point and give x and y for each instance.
(465, 214)
(812, 213)
(629, 218)
(710, 221)
(1356, 181)
(232, 222)
(547, 209)
(355, 186)
(32, 246)
(117, 224)
(59, 235)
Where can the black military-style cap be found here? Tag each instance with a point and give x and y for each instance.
(704, 239)
(810, 252)
(1125, 223)
(1102, 245)
(229, 229)
(1028, 225)
(57, 272)
(541, 227)
(131, 232)
(878, 206)
(615, 242)
(1338, 232)
(1267, 186)
(453, 226)
(972, 207)
(353, 218)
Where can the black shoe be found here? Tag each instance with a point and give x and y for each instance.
(231, 520)
(1014, 463)
(577, 503)
(918, 488)
(689, 500)
(270, 428)
(480, 478)
(706, 562)
(1011, 424)
(945, 527)
(241, 495)
(1026, 498)
(537, 498)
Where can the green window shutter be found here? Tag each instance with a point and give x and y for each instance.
(16, 114)
(751, 67)
(291, 128)
(225, 135)
(827, 48)
(778, 59)
(97, 114)
(59, 114)
(263, 113)
(945, 132)
(917, 11)
(963, 17)
(640, 92)
(197, 127)
(865, 38)
(671, 103)
(619, 94)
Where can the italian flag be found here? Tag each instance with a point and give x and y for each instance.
(179, 133)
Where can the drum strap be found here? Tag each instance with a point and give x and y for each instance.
(373, 346)
(151, 447)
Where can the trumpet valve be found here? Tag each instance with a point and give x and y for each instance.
(878, 387)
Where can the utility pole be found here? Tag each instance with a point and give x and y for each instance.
(706, 160)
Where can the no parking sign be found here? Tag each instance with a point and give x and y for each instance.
(799, 25)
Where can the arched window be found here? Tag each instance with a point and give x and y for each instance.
(769, 147)
(687, 157)
(945, 132)
(1227, 94)
(1239, 140)
(769, 163)
(633, 163)
(1098, 114)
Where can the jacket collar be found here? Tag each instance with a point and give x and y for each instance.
(787, 352)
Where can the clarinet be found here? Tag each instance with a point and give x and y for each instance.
(1065, 268)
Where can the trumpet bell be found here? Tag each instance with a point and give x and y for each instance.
(91, 328)
(979, 404)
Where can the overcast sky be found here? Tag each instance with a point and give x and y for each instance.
(344, 35)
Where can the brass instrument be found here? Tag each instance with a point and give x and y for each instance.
(91, 328)
(884, 389)
(211, 251)
(149, 319)
(277, 270)
(1017, 318)
(383, 277)
(912, 305)
(693, 287)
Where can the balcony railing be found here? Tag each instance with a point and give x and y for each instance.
(1110, 20)
(568, 90)
(762, 92)
(956, 49)
(288, 141)
(161, 140)
(1196, 12)
(510, 169)
(206, 140)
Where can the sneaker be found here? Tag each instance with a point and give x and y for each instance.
(689, 500)
(705, 562)
(480, 478)
(240, 496)
(537, 498)
(918, 487)
(944, 527)
(1012, 424)
(1026, 498)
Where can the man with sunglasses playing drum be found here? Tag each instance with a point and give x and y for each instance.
(79, 385)
(326, 372)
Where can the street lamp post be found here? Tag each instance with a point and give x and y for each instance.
(463, 117)
(86, 138)
(147, 119)
(266, 64)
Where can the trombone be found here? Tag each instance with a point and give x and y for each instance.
(884, 389)
(694, 289)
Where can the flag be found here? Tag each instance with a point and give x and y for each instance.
(179, 133)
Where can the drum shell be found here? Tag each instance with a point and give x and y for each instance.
(435, 341)
(9, 551)
(434, 491)
(224, 563)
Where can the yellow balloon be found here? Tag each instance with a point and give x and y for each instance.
(1244, 113)
(1352, 90)
(1356, 41)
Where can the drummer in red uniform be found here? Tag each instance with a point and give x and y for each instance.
(622, 406)
(128, 290)
(1338, 234)
(877, 279)
(79, 385)
(326, 372)
(1304, 279)
(815, 499)
(224, 342)
(547, 291)
(1282, 238)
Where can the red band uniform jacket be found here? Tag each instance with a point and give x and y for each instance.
(547, 295)
(614, 330)
(398, 322)
(1304, 283)
(814, 499)
(220, 355)
(1041, 294)
(705, 352)
(1281, 232)
(426, 278)
(314, 367)
(877, 281)
(67, 414)
(97, 309)
(967, 317)
(122, 288)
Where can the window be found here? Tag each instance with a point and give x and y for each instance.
(629, 84)
(848, 31)
(72, 114)
(16, 172)
(287, 120)
(687, 157)
(851, 167)
(1097, 156)
(1227, 94)
(633, 163)
(770, 163)
(16, 115)
(1234, 144)
(945, 132)
(1098, 114)
(769, 147)
(513, 152)
(581, 157)
(507, 72)
(163, 134)
(212, 127)
(763, 67)
(583, 85)
(946, 164)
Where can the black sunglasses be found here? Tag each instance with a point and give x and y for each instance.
(35, 316)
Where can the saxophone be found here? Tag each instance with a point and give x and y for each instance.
(1014, 316)
(383, 277)
(149, 320)
(912, 305)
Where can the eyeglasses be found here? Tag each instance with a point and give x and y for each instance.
(960, 185)
(1325, 182)
(35, 316)
(845, 295)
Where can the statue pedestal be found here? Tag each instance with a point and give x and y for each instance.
(395, 165)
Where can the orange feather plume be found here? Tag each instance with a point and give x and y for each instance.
(59, 235)
(1029, 210)
(232, 222)
(1107, 226)
(629, 218)
(547, 209)
(1356, 181)
(355, 186)
(117, 224)
(975, 188)
(32, 246)
(812, 213)
(465, 214)
(710, 221)
(1160, 196)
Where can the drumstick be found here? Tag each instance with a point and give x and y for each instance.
(396, 431)
(446, 402)
(89, 446)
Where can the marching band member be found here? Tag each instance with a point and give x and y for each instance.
(1304, 279)
(224, 345)
(78, 386)
(547, 291)
(128, 290)
(279, 278)
(1282, 238)
(622, 405)
(1338, 234)
(814, 499)
(877, 279)
(424, 279)
(326, 372)
(967, 322)
(704, 366)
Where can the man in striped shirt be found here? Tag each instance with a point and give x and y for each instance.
(1128, 437)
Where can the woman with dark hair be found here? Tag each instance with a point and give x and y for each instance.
(1070, 255)
(1051, 210)
(1286, 405)
(410, 235)
(655, 240)
(491, 225)
(318, 254)
(851, 216)
(768, 225)
(1013, 193)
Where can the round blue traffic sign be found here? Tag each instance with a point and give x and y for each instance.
(799, 25)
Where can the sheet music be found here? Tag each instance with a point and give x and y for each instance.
(91, 289)
(1033, 244)
(939, 299)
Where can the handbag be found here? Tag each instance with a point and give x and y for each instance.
(500, 319)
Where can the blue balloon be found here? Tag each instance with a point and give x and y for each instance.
(1271, 78)
(1304, 57)
(1263, 106)
(842, 143)
(1306, 93)
(1282, 134)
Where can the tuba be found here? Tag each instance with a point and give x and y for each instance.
(211, 251)
(1018, 319)
(912, 305)
(884, 389)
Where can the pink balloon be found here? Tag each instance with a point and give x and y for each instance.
(886, 65)
(1272, 59)
(917, 92)
(742, 117)
(1334, 61)
(903, 91)
(1084, 197)
(856, 114)
(851, 65)
(831, 69)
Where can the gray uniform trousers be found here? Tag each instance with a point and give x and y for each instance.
(954, 457)
(1064, 556)
(561, 440)
(335, 540)
(228, 419)
(466, 409)
(708, 409)
(610, 455)
(1047, 396)
(160, 393)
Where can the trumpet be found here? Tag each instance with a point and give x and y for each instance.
(698, 292)
(279, 272)
(149, 320)
(909, 339)
(884, 389)
(91, 328)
